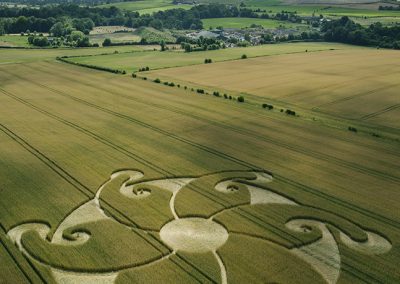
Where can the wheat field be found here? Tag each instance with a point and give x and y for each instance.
(98, 170)
(358, 84)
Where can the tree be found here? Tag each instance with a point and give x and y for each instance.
(83, 42)
(188, 47)
(241, 99)
(304, 35)
(57, 29)
(40, 41)
(244, 56)
(77, 35)
(107, 42)
(162, 45)
(83, 24)
(2, 30)
(156, 23)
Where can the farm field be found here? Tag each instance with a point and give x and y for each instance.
(386, 21)
(115, 37)
(132, 62)
(14, 41)
(147, 7)
(10, 55)
(106, 174)
(327, 8)
(357, 84)
(332, 11)
(247, 22)
(164, 8)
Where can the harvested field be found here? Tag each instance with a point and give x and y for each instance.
(96, 167)
(353, 84)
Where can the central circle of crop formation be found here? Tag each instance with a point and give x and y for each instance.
(197, 235)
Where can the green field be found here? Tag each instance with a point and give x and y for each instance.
(14, 41)
(155, 36)
(155, 60)
(247, 22)
(147, 7)
(115, 37)
(307, 10)
(327, 8)
(10, 55)
(164, 8)
(105, 178)
(386, 21)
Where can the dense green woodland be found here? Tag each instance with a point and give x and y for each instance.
(16, 20)
(345, 30)
(64, 19)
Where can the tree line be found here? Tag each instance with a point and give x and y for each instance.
(346, 31)
(17, 19)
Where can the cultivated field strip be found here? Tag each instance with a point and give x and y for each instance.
(132, 62)
(119, 87)
(388, 118)
(14, 265)
(51, 164)
(241, 130)
(326, 75)
(180, 102)
(89, 133)
(279, 143)
(381, 111)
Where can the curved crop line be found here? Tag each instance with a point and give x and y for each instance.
(320, 257)
(224, 278)
(102, 271)
(53, 230)
(172, 204)
(320, 220)
(112, 177)
(43, 262)
(96, 198)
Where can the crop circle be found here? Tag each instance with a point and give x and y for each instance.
(196, 235)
